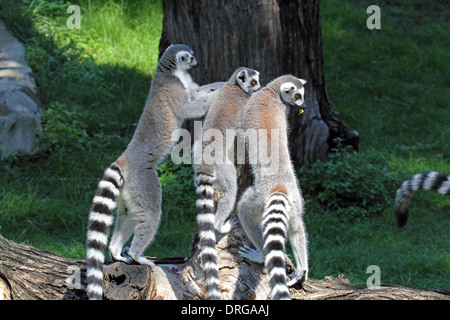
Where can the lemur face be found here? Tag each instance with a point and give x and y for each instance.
(294, 95)
(248, 81)
(186, 60)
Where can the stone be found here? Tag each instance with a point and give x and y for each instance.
(20, 111)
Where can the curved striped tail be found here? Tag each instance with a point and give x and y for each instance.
(206, 232)
(100, 220)
(439, 182)
(275, 226)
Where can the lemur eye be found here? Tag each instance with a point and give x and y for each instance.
(253, 82)
(183, 58)
(297, 96)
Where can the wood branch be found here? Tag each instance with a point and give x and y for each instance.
(341, 289)
(27, 273)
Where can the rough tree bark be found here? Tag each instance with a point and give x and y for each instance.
(27, 273)
(273, 37)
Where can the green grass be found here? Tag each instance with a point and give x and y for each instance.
(93, 98)
(391, 85)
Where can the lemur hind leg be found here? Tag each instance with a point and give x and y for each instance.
(249, 210)
(226, 186)
(144, 203)
(298, 240)
(122, 232)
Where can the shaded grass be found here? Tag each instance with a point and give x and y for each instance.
(416, 256)
(391, 85)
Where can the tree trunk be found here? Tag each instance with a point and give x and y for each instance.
(27, 273)
(273, 37)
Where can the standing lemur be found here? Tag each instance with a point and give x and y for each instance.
(225, 107)
(132, 177)
(270, 211)
(436, 181)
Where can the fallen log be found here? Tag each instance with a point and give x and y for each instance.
(28, 273)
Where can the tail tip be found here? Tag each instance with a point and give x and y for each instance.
(401, 217)
(94, 291)
(282, 295)
(401, 221)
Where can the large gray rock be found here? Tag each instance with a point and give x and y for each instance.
(20, 114)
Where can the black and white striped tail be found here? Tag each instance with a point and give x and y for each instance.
(436, 181)
(206, 233)
(275, 226)
(100, 220)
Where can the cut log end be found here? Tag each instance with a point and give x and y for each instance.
(5, 290)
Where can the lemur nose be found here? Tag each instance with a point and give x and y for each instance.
(194, 62)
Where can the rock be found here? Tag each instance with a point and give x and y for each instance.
(20, 112)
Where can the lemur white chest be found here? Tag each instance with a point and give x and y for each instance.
(185, 79)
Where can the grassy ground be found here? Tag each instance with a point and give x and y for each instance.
(391, 85)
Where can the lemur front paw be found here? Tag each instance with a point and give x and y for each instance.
(251, 254)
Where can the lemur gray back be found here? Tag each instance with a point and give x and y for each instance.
(266, 110)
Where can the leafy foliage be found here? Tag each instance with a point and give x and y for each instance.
(64, 128)
(349, 184)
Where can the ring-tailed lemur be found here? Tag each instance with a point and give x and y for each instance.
(436, 181)
(132, 177)
(270, 211)
(225, 107)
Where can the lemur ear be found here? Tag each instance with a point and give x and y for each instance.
(287, 87)
(242, 75)
(302, 81)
